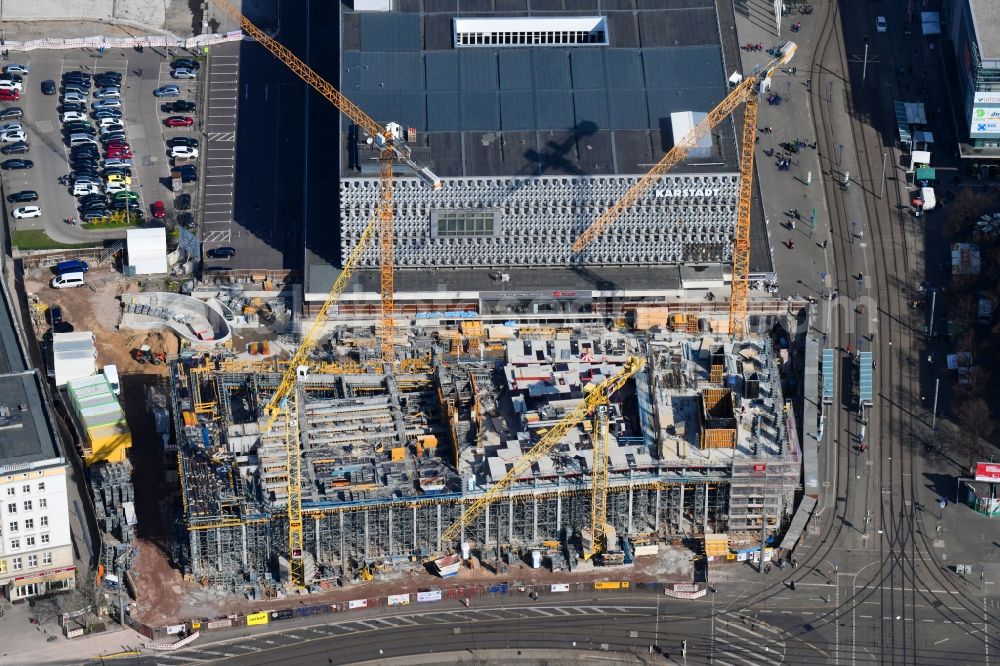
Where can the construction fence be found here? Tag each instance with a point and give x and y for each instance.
(100, 42)
(462, 594)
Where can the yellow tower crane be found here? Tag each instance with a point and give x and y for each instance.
(388, 139)
(745, 93)
(599, 477)
(294, 464)
(599, 395)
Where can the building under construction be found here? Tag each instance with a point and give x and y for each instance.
(700, 441)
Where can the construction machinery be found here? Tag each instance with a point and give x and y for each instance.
(595, 397)
(745, 93)
(599, 492)
(388, 139)
(145, 354)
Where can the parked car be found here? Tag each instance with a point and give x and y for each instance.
(18, 148)
(92, 215)
(73, 97)
(72, 115)
(167, 91)
(9, 96)
(24, 196)
(182, 202)
(183, 151)
(108, 93)
(107, 104)
(72, 106)
(179, 121)
(158, 210)
(185, 63)
(9, 165)
(48, 87)
(186, 220)
(67, 280)
(12, 136)
(183, 73)
(7, 84)
(182, 141)
(14, 68)
(180, 106)
(224, 252)
(881, 25)
(26, 212)
(107, 113)
(13, 113)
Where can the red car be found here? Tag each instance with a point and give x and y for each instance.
(159, 210)
(179, 121)
(13, 96)
(118, 143)
(123, 155)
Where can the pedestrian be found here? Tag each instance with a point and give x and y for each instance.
(791, 584)
(849, 347)
(826, 241)
(874, 364)
(139, 71)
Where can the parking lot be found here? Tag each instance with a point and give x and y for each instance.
(146, 133)
(220, 146)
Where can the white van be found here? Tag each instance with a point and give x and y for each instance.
(111, 374)
(67, 280)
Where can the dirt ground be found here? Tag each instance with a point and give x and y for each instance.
(95, 307)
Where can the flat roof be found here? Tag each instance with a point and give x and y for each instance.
(526, 110)
(11, 359)
(986, 17)
(25, 435)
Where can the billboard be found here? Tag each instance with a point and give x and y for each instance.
(986, 98)
(984, 127)
(357, 603)
(980, 113)
(988, 472)
(257, 618)
(399, 599)
(432, 595)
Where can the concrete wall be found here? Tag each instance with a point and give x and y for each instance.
(144, 12)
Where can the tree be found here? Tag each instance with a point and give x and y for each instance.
(968, 205)
(975, 418)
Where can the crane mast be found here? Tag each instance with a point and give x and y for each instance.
(599, 395)
(599, 492)
(745, 93)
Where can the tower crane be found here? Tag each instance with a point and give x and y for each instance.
(599, 493)
(388, 139)
(745, 93)
(597, 396)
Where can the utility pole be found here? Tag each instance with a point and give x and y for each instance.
(864, 69)
(937, 385)
(881, 192)
(930, 330)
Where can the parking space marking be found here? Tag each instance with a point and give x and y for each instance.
(217, 236)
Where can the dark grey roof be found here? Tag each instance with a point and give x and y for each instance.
(28, 438)
(549, 108)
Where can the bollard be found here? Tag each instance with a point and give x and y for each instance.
(809, 178)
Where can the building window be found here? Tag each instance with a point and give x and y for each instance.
(11, 490)
(12, 507)
(3, 566)
(45, 521)
(29, 542)
(41, 486)
(45, 538)
(13, 526)
(27, 505)
(32, 561)
(26, 489)
(43, 503)
(465, 224)
(29, 524)
(16, 564)
(15, 544)
(47, 558)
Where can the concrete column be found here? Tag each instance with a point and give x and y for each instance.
(343, 555)
(391, 540)
(439, 528)
(415, 528)
(218, 543)
(705, 525)
(534, 524)
(680, 512)
(656, 512)
(366, 534)
(558, 513)
(631, 501)
(243, 534)
(318, 547)
(510, 520)
(489, 510)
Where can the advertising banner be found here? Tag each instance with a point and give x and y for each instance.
(988, 472)
(175, 629)
(433, 595)
(986, 98)
(399, 599)
(560, 587)
(219, 624)
(282, 614)
(257, 618)
(985, 113)
(357, 603)
(985, 126)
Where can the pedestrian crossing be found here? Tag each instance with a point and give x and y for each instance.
(742, 640)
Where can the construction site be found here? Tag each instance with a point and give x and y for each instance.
(392, 468)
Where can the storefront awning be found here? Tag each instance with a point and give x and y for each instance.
(925, 173)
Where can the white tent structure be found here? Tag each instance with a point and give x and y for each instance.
(147, 250)
(74, 356)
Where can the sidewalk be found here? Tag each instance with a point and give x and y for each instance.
(798, 268)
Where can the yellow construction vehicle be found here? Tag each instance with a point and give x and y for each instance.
(599, 395)
(746, 93)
